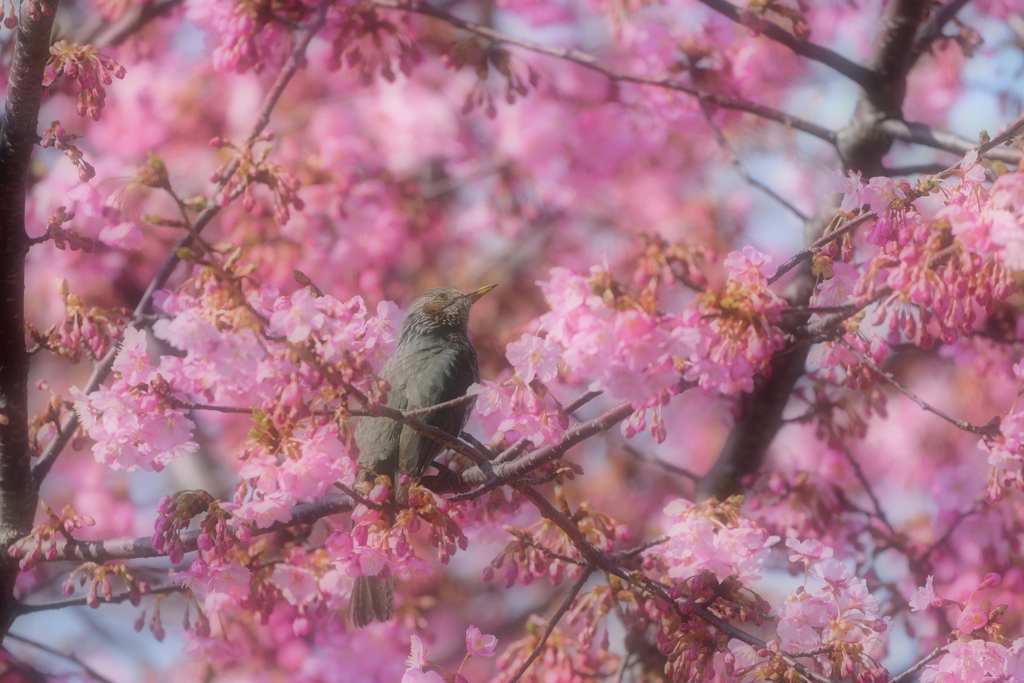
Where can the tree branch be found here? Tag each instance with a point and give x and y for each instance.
(737, 164)
(555, 618)
(861, 145)
(920, 134)
(906, 675)
(607, 563)
(931, 30)
(588, 61)
(990, 429)
(117, 598)
(137, 548)
(102, 368)
(18, 136)
(95, 675)
(860, 75)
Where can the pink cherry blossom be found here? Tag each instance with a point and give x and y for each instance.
(479, 644)
(534, 356)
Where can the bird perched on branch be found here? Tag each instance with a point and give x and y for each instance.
(434, 362)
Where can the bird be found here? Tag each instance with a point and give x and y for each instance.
(433, 362)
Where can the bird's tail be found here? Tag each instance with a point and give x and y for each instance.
(373, 597)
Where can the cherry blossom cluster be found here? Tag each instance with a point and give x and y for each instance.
(64, 238)
(698, 543)
(98, 576)
(543, 550)
(565, 656)
(932, 274)
(223, 587)
(30, 548)
(382, 541)
(980, 651)
(422, 670)
(1005, 454)
(371, 40)
(89, 68)
(632, 352)
(1005, 450)
(482, 56)
(516, 408)
(138, 422)
(252, 34)
(174, 514)
(248, 169)
(84, 328)
(55, 136)
(836, 612)
(736, 327)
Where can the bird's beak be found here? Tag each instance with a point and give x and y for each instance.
(473, 296)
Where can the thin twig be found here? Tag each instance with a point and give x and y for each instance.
(986, 430)
(948, 533)
(646, 545)
(867, 488)
(857, 73)
(734, 158)
(817, 245)
(136, 548)
(608, 563)
(103, 367)
(654, 460)
(588, 61)
(562, 609)
(64, 655)
(920, 134)
(905, 676)
(61, 603)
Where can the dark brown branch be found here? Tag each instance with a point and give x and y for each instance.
(102, 368)
(931, 30)
(906, 675)
(947, 534)
(735, 160)
(95, 675)
(920, 134)
(990, 429)
(607, 563)
(556, 617)
(914, 169)
(654, 460)
(588, 61)
(135, 548)
(855, 72)
(817, 246)
(866, 485)
(133, 20)
(61, 603)
(17, 139)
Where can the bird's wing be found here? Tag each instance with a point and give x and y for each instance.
(447, 376)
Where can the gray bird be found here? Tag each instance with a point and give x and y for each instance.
(433, 362)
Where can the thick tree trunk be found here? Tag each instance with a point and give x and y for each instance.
(17, 489)
(861, 143)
